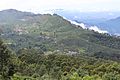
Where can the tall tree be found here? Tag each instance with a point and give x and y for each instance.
(4, 58)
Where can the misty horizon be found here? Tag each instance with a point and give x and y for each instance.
(40, 6)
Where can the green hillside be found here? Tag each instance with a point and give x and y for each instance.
(52, 32)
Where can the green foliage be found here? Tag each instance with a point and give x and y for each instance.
(32, 65)
(48, 47)
(5, 57)
(63, 67)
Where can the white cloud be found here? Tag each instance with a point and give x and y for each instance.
(84, 26)
(95, 28)
(79, 24)
(117, 34)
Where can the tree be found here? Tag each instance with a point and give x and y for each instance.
(4, 59)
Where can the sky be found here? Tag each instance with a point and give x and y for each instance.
(40, 6)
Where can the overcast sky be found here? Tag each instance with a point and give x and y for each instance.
(45, 5)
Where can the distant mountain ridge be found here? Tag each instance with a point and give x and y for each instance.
(10, 15)
(112, 25)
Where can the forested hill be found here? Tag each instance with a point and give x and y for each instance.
(52, 32)
(49, 47)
